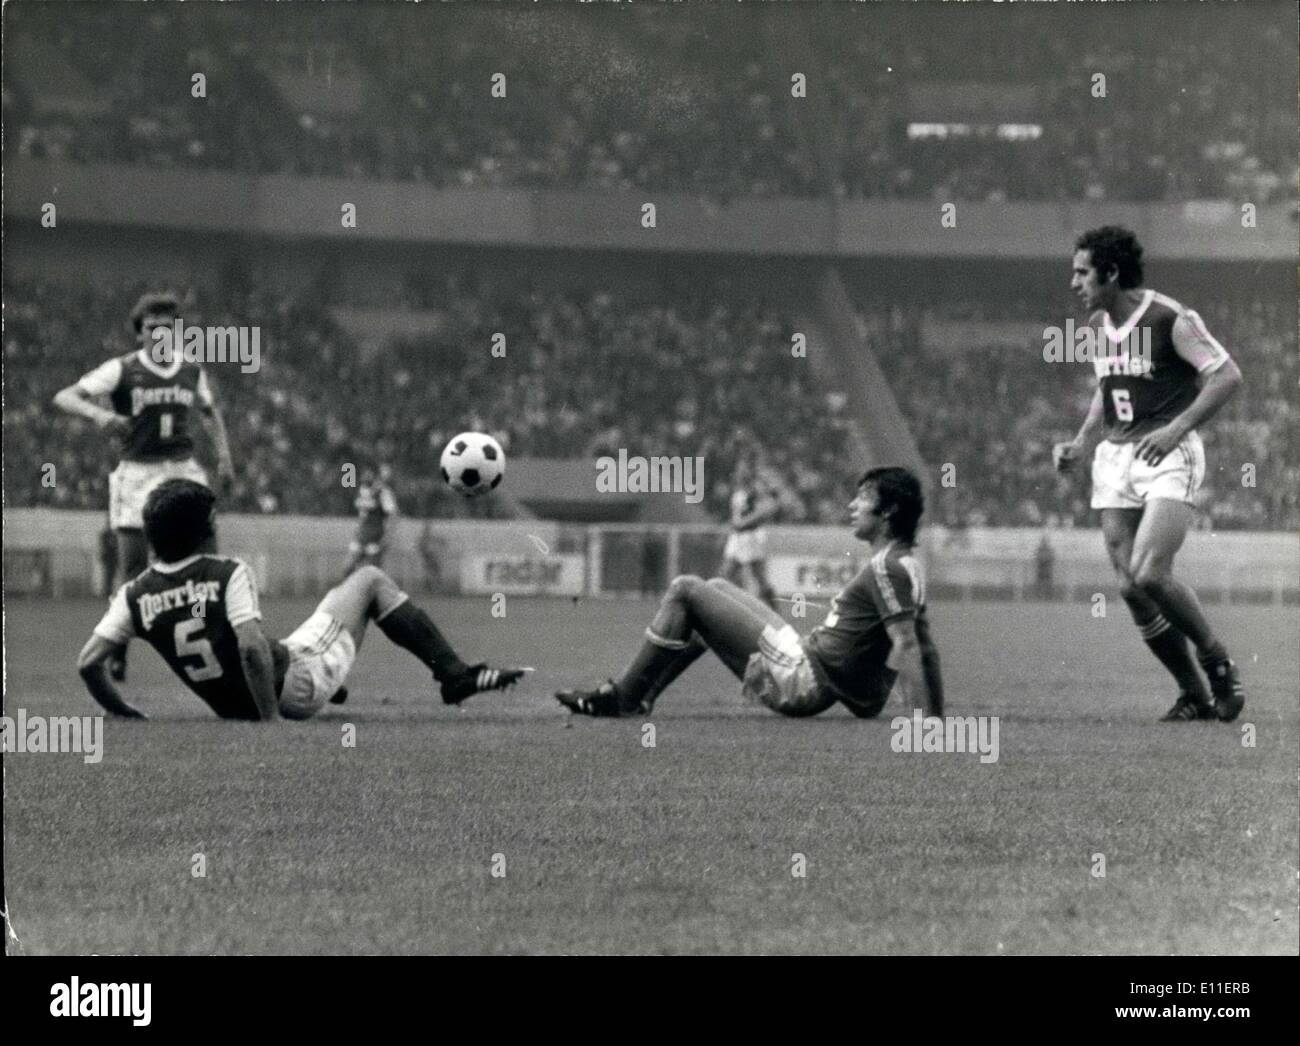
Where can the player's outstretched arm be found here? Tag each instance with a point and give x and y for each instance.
(92, 663)
(259, 670)
(918, 684)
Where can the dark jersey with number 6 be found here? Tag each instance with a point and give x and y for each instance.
(1148, 368)
(188, 611)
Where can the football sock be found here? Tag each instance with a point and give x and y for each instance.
(1173, 651)
(1211, 654)
(682, 660)
(654, 667)
(411, 628)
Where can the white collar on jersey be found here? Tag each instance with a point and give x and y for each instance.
(1123, 333)
(169, 371)
(180, 564)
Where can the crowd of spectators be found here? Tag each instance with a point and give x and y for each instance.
(583, 375)
(702, 370)
(1001, 453)
(1192, 103)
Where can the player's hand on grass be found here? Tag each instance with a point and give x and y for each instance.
(1064, 455)
(1154, 446)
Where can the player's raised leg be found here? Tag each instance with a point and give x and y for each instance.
(370, 594)
(1159, 537)
(694, 615)
(1120, 527)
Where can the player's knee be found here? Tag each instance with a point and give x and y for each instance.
(1150, 576)
(370, 576)
(1128, 588)
(684, 585)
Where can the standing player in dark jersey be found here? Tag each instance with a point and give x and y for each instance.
(151, 404)
(200, 612)
(376, 505)
(1160, 376)
(874, 638)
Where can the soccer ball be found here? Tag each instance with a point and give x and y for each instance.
(473, 464)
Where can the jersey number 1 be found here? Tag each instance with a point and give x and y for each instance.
(165, 425)
(200, 648)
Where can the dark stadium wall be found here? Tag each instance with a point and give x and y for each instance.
(289, 208)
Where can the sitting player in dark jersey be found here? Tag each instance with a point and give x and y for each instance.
(1161, 375)
(874, 638)
(200, 612)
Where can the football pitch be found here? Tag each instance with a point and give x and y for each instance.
(508, 826)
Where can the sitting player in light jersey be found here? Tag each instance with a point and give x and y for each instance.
(752, 505)
(200, 612)
(1160, 376)
(874, 638)
(152, 398)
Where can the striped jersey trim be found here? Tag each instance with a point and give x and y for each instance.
(886, 587)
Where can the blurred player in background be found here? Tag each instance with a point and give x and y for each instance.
(151, 393)
(200, 612)
(1160, 376)
(752, 505)
(376, 505)
(874, 637)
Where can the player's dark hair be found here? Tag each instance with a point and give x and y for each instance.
(900, 498)
(178, 518)
(155, 303)
(1113, 248)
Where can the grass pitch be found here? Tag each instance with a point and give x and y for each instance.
(608, 845)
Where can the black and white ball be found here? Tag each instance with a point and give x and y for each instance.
(473, 464)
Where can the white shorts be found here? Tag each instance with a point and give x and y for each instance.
(321, 652)
(1120, 480)
(130, 484)
(746, 546)
(780, 675)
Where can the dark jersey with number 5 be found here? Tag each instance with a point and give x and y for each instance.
(156, 399)
(1148, 368)
(188, 611)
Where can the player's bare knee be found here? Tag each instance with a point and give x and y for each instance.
(1128, 589)
(371, 577)
(1151, 577)
(683, 585)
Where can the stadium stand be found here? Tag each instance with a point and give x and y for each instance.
(699, 375)
(408, 103)
(700, 371)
